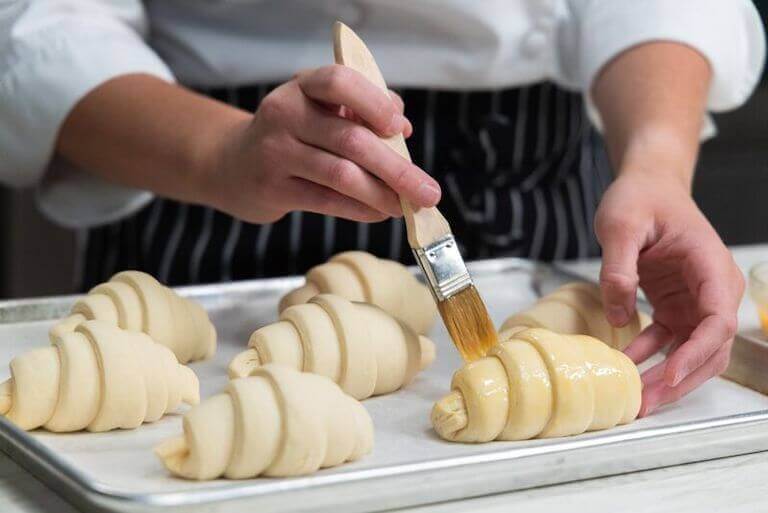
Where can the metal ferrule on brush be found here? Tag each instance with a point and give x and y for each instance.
(444, 267)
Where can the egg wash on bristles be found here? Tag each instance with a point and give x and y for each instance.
(468, 323)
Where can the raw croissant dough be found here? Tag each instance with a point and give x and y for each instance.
(357, 345)
(577, 308)
(136, 301)
(361, 277)
(539, 384)
(280, 422)
(97, 377)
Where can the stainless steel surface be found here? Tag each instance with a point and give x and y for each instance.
(444, 268)
(410, 465)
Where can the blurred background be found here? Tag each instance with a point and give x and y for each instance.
(731, 187)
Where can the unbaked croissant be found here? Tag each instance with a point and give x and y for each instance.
(279, 422)
(539, 384)
(136, 301)
(357, 345)
(97, 377)
(577, 308)
(360, 276)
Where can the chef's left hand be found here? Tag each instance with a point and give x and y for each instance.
(654, 236)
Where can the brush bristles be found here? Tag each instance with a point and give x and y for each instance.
(468, 323)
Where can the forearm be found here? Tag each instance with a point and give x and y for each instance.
(652, 100)
(140, 131)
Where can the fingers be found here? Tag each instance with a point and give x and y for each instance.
(340, 85)
(408, 131)
(347, 113)
(649, 342)
(654, 374)
(398, 101)
(311, 197)
(713, 281)
(713, 277)
(618, 273)
(657, 393)
(361, 146)
(341, 153)
(344, 177)
(708, 337)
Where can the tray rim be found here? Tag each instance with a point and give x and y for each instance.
(97, 494)
(78, 486)
(11, 310)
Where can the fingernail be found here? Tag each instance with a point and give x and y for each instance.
(647, 408)
(677, 378)
(408, 129)
(671, 377)
(630, 352)
(428, 194)
(397, 124)
(617, 314)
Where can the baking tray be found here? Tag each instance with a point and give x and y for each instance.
(117, 471)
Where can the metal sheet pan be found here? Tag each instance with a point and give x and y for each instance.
(117, 471)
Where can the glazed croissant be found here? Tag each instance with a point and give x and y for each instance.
(97, 377)
(136, 301)
(539, 384)
(279, 422)
(357, 345)
(577, 308)
(361, 277)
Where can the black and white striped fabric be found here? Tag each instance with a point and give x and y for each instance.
(521, 169)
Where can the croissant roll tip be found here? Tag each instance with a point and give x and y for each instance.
(64, 326)
(191, 386)
(243, 364)
(213, 342)
(428, 352)
(55, 332)
(509, 332)
(449, 415)
(6, 396)
(286, 301)
(172, 452)
(298, 296)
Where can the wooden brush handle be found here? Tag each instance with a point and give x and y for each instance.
(424, 225)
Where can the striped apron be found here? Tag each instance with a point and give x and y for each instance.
(521, 169)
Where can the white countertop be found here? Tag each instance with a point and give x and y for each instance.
(680, 489)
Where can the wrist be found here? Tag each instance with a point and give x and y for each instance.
(211, 152)
(660, 154)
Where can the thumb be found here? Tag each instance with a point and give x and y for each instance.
(618, 273)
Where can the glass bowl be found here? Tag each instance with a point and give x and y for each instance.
(758, 291)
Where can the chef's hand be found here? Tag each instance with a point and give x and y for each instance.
(654, 236)
(314, 144)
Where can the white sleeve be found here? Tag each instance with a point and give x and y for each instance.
(728, 33)
(52, 53)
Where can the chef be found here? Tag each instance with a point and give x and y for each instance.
(207, 140)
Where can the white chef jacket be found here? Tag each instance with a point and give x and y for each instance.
(53, 52)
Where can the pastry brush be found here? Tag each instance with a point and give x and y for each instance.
(429, 235)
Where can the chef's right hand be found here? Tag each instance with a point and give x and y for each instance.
(314, 145)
